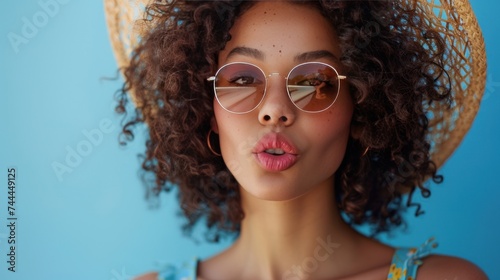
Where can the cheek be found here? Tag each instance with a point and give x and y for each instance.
(234, 143)
(226, 128)
(331, 134)
(224, 121)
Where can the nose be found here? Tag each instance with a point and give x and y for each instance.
(277, 108)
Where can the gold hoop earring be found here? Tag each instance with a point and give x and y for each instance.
(210, 145)
(366, 151)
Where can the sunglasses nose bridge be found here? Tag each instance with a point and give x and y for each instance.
(276, 82)
(276, 89)
(278, 79)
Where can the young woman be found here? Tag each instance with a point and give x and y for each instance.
(286, 122)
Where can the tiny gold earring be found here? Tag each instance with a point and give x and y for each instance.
(366, 151)
(210, 145)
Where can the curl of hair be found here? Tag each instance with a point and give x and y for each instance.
(392, 76)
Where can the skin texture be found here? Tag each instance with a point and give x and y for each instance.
(287, 211)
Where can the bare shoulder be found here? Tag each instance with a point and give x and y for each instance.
(447, 267)
(147, 276)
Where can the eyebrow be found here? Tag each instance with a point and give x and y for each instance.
(314, 55)
(255, 53)
(303, 57)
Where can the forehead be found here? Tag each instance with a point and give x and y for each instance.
(281, 29)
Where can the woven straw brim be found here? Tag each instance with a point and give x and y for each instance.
(465, 63)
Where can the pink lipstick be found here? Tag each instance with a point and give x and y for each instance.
(275, 153)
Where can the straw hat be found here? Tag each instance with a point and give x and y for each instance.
(466, 63)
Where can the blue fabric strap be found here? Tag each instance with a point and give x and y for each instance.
(186, 271)
(406, 261)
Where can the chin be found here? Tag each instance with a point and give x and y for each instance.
(275, 187)
(273, 193)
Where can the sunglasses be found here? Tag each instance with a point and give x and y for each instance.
(312, 87)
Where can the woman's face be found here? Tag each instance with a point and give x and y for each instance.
(276, 36)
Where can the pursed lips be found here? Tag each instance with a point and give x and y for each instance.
(275, 153)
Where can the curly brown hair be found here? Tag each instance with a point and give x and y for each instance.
(394, 61)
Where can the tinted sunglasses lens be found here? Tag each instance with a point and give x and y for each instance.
(313, 87)
(239, 87)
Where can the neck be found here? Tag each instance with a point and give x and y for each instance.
(304, 237)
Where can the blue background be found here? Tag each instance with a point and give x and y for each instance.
(94, 223)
